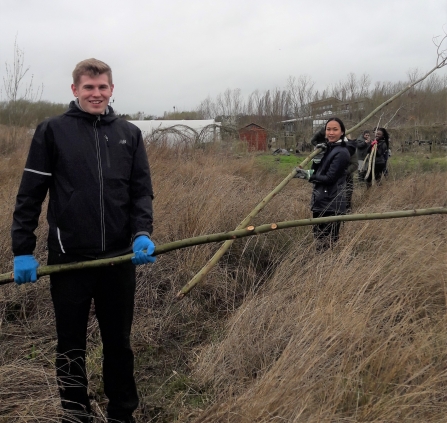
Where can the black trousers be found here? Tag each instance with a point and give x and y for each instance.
(325, 234)
(113, 290)
(379, 171)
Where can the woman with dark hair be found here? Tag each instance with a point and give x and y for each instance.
(379, 159)
(329, 179)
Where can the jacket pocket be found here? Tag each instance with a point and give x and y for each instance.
(78, 223)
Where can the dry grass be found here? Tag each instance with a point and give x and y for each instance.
(276, 332)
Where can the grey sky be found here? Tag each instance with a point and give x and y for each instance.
(176, 53)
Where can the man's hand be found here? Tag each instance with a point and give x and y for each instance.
(141, 243)
(374, 143)
(25, 269)
(303, 174)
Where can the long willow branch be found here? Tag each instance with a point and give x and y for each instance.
(439, 65)
(222, 236)
(208, 266)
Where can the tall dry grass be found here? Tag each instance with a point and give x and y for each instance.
(356, 334)
(275, 332)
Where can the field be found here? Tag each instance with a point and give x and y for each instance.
(276, 332)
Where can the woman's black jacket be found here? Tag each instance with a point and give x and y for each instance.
(329, 179)
(381, 153)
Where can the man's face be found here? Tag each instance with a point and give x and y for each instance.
(93, 93)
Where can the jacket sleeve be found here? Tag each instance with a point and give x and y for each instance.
(335, 170)
(141, 193)
(361, 144)
(34, 185)
(319, 137)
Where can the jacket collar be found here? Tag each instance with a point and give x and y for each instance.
(75, 110)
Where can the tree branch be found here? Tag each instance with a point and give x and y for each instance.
(222, 236)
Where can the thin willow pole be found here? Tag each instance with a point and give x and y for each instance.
(372, 163)
(373, 166)
(208, 266)
(251, 230)
(442, 61)
(222, 236)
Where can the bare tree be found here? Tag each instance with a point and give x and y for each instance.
(19, 94)
(302, 93)
(14, 79)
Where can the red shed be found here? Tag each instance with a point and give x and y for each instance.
(255, 135)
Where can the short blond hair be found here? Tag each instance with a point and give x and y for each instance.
(91, 67)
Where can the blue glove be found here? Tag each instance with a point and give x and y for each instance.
(25, 269)
(141, 243)
(303, 174)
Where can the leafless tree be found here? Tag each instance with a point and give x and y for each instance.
(13, 82)
(301, 91)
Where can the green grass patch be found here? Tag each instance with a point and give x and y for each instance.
(399, 164)
(406, 163)
(278, 163)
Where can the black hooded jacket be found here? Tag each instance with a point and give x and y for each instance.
(329, 179)
(97, 174)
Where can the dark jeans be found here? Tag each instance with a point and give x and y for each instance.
(325, 234)
(113, 290)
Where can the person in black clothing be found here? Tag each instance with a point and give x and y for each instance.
(96, 171)
(363, 142)
(329, 183)
(319, 137)
(381, 156)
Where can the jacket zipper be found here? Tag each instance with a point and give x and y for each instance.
(101, 183)
(107, 150)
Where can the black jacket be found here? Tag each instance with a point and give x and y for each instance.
(329, 180)
(381, 153)
(97, 173)
(319, 136)
(353, 161)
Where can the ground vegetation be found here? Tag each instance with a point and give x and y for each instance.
(275, 332)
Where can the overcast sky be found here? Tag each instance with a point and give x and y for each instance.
(173, 53)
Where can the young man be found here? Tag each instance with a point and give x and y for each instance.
(95, 168)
